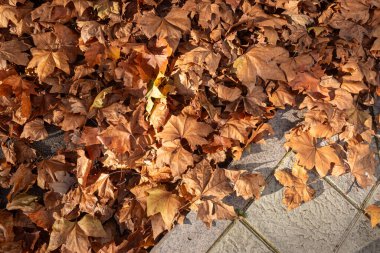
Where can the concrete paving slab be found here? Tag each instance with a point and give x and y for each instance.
(239, 240)
(362, 238)
(191, 237)
(315, 226)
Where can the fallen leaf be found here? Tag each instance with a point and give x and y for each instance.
(310, 155)
(34, 130)
(47, 61)
(362, 163)
(374, 212)
(261, 61)
(164, 202)
(185, 127)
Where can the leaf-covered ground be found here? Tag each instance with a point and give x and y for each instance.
(156, 98)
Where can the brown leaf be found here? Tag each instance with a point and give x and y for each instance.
(296, 188)
(228, 94)
(117, 138)
(186, 127)
(174, 155)
(13, 51)
(246, 184)
(47, 61)
(34, 130)
(310, 155)
(374, 212)
(21, 180)
(103, 187)
(261, 61)
(170, 27)
(74, 236)
(362, 163)
(6, 221)
(164, 202)
(84, 166)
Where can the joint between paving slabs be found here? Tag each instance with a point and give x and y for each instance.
(259, 236)
(337, 189)
(221, 235)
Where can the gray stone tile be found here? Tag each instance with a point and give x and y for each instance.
(315, 226)
(238, 240)
(362, 238)
(263, 158)
(191, 237)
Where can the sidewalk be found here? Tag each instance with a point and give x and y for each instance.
(332, 222)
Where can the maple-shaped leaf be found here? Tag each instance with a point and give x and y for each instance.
(91, 29)
(204, 58)
(84, 166)
(22, 89)
(324, 123)
(117, 138)
(185, 127)
(280, 96)
(261, 61)
(34, 130)
(80, 5)
(238, 128)
(74, 235)
(170, 27)
(342, 99)
(354, 81)
(310, 155)
(103, 187)
(374, 213)
(203, 181)
(212, 14)
(173, 154)
(13, 51)
(21, 180)
(247, 185)
(209, 210)
(362, 163)
(228, 94)
(164, 202)
(47, 61)
(296, 189)
(8, 13)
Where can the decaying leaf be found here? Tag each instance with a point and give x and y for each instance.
(47, 61)
(296, 189)
(262, 62)
(161, 201)
(310, 155)
(117, 118)
(374, 212)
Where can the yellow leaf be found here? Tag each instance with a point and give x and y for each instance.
(99, 99)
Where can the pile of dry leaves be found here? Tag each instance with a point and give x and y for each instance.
(156, 97)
